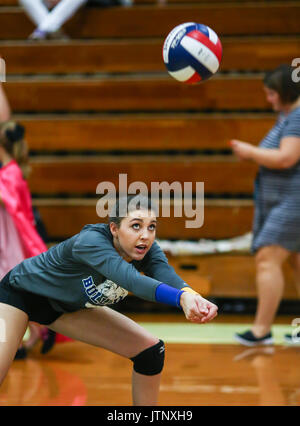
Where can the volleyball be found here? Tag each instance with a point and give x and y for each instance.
(192, 52)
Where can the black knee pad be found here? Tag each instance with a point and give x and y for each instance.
(151, 360)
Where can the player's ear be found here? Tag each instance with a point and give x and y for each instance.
(113, 228)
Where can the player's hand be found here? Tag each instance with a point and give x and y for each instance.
(242, 150)
(197, 309)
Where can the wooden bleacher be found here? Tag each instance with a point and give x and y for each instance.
(94, 94)
(229, 18)
(74, 213)
(77, 132)
(81, 174)
(124, 55)
(103, 104)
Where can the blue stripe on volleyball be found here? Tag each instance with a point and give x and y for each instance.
(183, 59)
(180, 58)
(199, 68)
(168, 295)
(203, 29)
(177, 55)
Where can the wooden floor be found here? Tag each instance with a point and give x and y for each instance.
(74, 374)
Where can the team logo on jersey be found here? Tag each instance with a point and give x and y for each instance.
(106, 293)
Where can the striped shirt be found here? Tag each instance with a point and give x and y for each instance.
(277, 193)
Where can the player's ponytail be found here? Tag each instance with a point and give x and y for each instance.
(12, 139)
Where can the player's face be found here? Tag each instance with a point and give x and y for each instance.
(135, 235)
(274, 99)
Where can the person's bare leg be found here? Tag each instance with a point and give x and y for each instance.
(34, 335)
(36, 9)
(61, 13)
(145, 389)
(270, 285)
(106, 328)
(13, 324)
(295, 263)
(5, 111)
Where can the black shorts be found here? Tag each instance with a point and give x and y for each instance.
(36, 307)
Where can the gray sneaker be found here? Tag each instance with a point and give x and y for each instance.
(126, 3)
(58, 35)
(38, 35)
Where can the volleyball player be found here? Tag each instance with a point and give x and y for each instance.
(67, 289)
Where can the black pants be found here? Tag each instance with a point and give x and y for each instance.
(37, 307)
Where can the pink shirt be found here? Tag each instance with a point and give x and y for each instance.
(16, 197)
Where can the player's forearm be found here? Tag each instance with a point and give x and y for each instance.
(5, 111)
(169, 295)
(270, 158)
(165, 273)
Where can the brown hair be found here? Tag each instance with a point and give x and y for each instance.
(12, 140)
(126, 204)
(281, 81)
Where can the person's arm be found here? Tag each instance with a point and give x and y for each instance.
(286, 156)
(92, 248)
(155, 265)
(195, 307)
(5, 111)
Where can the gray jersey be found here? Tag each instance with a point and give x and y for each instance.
(86, 270)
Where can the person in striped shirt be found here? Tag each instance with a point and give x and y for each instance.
(276, 228)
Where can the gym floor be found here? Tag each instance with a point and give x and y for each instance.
(204, 367)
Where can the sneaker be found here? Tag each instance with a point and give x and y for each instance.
(292, 339)
(48, 338)
(58, 35)
(38, 35)
(248, 339)
(21, 353)
(126, 3)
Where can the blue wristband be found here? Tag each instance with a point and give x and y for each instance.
(168, 295)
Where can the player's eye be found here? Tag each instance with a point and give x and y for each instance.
(152, 227)
(136, 226)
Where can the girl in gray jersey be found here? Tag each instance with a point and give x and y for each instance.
(67, 287)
